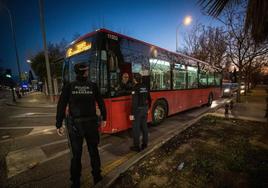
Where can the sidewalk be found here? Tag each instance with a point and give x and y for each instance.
(252, 107)
(34, 100)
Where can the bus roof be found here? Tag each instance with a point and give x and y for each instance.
(102, 30)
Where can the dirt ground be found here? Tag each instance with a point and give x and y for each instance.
(214, 152)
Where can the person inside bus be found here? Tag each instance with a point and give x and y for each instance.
(81, 96)
(141, 103)
(125, 86)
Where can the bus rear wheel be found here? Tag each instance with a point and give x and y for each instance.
(159, 112)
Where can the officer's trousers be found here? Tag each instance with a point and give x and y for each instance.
(77, 136)
(140, 125)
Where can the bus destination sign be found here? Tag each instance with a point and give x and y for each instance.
(78, 48)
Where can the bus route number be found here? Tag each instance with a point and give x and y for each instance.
(113, 37)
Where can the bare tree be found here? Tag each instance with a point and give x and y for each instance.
(253, 69)
(241, 48)
(192, 45)
(256, 17)
(56, 51)
(207, 44)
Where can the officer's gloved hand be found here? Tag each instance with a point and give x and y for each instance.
(131, 118)
(60, 131)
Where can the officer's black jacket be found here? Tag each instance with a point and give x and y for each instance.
(140, 97)
(81, 96)
(125, 88)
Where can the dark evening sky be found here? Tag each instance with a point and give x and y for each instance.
(153, 21)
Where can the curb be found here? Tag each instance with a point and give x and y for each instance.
(115, 173)
(261, 120)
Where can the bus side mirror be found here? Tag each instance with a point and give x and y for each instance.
(103, 55)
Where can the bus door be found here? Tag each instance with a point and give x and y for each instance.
(120, 99)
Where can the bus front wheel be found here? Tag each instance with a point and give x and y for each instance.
(159, 112)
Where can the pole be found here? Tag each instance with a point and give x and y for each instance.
(177, 28)
(13, 94)
(41, 8)
(14, 41)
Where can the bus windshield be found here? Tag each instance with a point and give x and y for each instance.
(89, 58)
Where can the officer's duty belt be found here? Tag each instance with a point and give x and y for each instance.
(84, 119)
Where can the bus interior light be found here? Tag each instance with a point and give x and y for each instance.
(159, 62)
(192, 69)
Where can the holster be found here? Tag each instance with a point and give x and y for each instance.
(80, 125)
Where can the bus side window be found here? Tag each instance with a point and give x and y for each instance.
(103, 73)
(192, 77)
(114, 73)
(203, 79)
(160, 74)
(179, 76)
(113, 63)
(211, 80)
(218, 78)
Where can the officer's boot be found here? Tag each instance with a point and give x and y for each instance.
(143, 146)
(75, 184)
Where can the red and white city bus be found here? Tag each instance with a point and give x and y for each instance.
(177, 82)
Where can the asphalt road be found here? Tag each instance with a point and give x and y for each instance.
(32, 155)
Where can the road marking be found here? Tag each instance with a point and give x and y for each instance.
(42, 130)
(112, 165)
(54, 143)
(33, 114)
(36, 130)
(21, 160)
(28, 127)
(5, 136)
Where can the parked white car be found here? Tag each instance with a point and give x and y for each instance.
(228, 89)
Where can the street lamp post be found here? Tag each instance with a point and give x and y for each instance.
(50, 91)
(186, 21)
(14, 39)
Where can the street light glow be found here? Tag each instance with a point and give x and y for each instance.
(187, 20)
(29, 61)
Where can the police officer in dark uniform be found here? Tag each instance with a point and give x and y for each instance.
(141, 102)
(81, 96)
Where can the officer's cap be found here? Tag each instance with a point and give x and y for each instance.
(80, 68)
